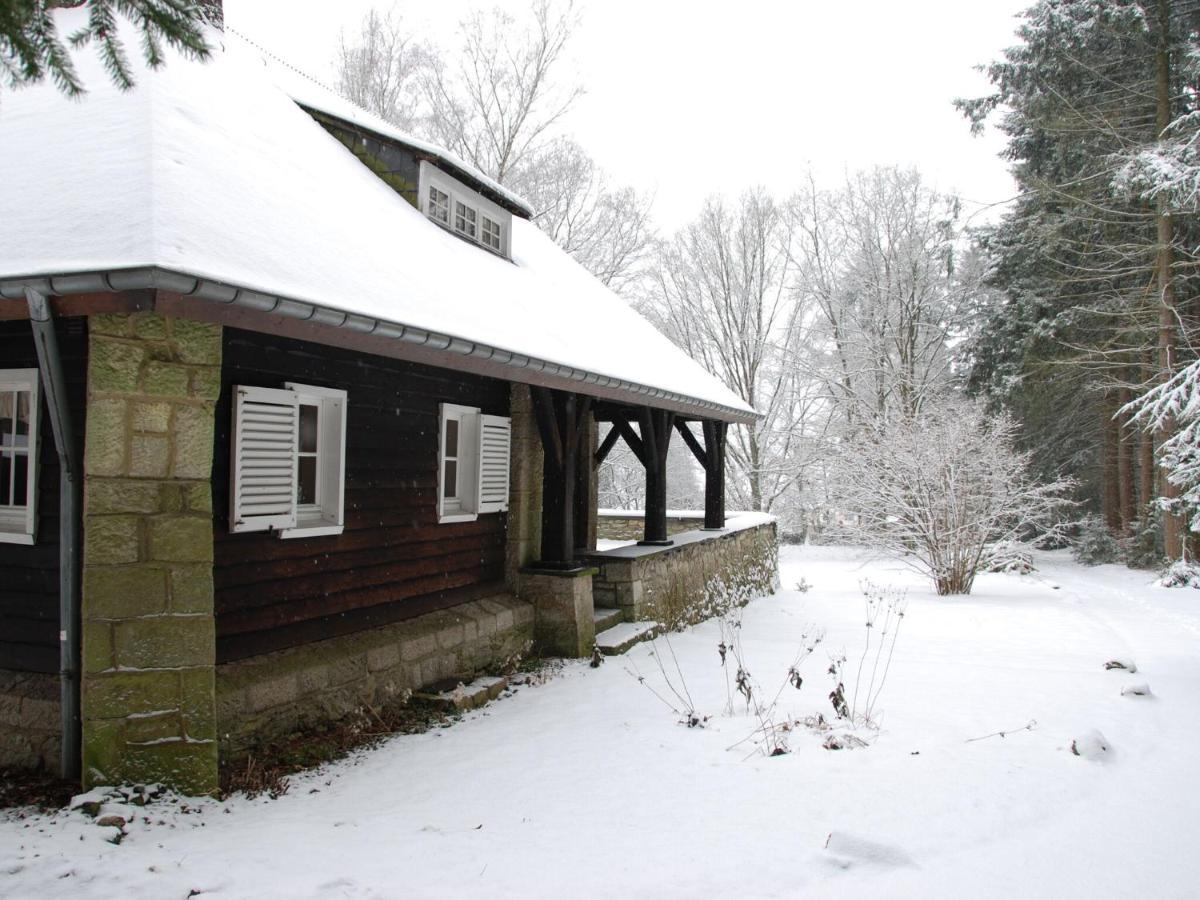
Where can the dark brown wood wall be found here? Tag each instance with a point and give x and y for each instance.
(29, 574)
(393, 560)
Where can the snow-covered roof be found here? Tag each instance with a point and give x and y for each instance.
(212, 171)
(309, 92)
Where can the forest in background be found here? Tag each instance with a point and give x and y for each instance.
(857, 316)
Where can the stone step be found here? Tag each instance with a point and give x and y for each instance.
(606, 617)
(465, 696)
(619, 638)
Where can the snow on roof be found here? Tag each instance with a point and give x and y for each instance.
(310, 92)
(212, 171)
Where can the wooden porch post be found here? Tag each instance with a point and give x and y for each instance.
(656, 425)
(712, 457)
(714, 474)
(560, 417)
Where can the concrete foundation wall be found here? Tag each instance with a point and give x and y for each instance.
(691, 581)
(29, 720)
(271, 696)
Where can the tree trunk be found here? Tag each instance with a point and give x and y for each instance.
(1125, 464)
(1167, 315)
(1110, 495)
(1146, 493)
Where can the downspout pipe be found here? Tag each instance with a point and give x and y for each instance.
(54, 390)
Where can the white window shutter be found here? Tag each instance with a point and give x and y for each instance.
(495, 440)
(263, 469)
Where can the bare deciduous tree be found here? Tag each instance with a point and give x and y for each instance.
(943, 490)
(498, 97)
(381, 69)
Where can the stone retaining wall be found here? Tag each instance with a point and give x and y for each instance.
(694, 580)
(29, 721)
(271, 696)
(631, 527)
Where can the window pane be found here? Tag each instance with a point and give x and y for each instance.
(20, 467)
(6, 461)
(308, 429)
(23, 418)
(451, 438)
(450, 481)
(6, 420)
(306, 486)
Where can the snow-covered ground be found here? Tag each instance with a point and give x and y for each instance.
(586, 786)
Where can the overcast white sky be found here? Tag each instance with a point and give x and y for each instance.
(692, 98)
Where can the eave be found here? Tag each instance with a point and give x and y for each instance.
(189, 296)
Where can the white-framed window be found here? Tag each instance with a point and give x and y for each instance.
(464, 211)
(464, 219)
(489, 233)
(473, 463)
(19, 408)
(288, 471)
(438, 207)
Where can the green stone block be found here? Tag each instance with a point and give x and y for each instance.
(110, 540)
(149, 456)
(193, 442)
(187, 767)
(113, 365)
(191, 588)
(105, 450)
(155, 417)
(198, 703)
(197, 342)
(117, 324)
(206, 383)
(170, 497)
(180, 538)
(122, 592)
(164, 379)
(108, 497)
(97, 646)
(149, 326)
(103, 751)
(198, 497)
(165, 642)
(154, 726)
(120, 694)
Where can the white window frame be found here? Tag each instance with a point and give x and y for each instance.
(327, 514)
(469, 504)
(463, 507)
(459, 193)
(19, 525)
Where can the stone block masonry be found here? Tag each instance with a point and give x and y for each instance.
(29, 720)
(148, 665)
(271, 696)
(703, 575)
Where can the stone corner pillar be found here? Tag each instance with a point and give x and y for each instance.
(149, 645)
(564, 623)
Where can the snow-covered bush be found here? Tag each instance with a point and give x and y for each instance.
(943, 490)
(1181, 573)
(1012, 557)
(1142, 547)
(1094, 544)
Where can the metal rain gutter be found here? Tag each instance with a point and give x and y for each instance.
(154, 278)
(54, 388)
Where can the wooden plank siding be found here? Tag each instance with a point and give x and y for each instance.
(29, 574)
(393, 559)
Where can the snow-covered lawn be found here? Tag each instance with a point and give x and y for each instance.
(586, 786)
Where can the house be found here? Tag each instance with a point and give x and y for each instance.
(297, 414)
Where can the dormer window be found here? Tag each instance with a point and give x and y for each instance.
(466, 212)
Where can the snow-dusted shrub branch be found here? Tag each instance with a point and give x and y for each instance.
(1176, 401)
(944, 491)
